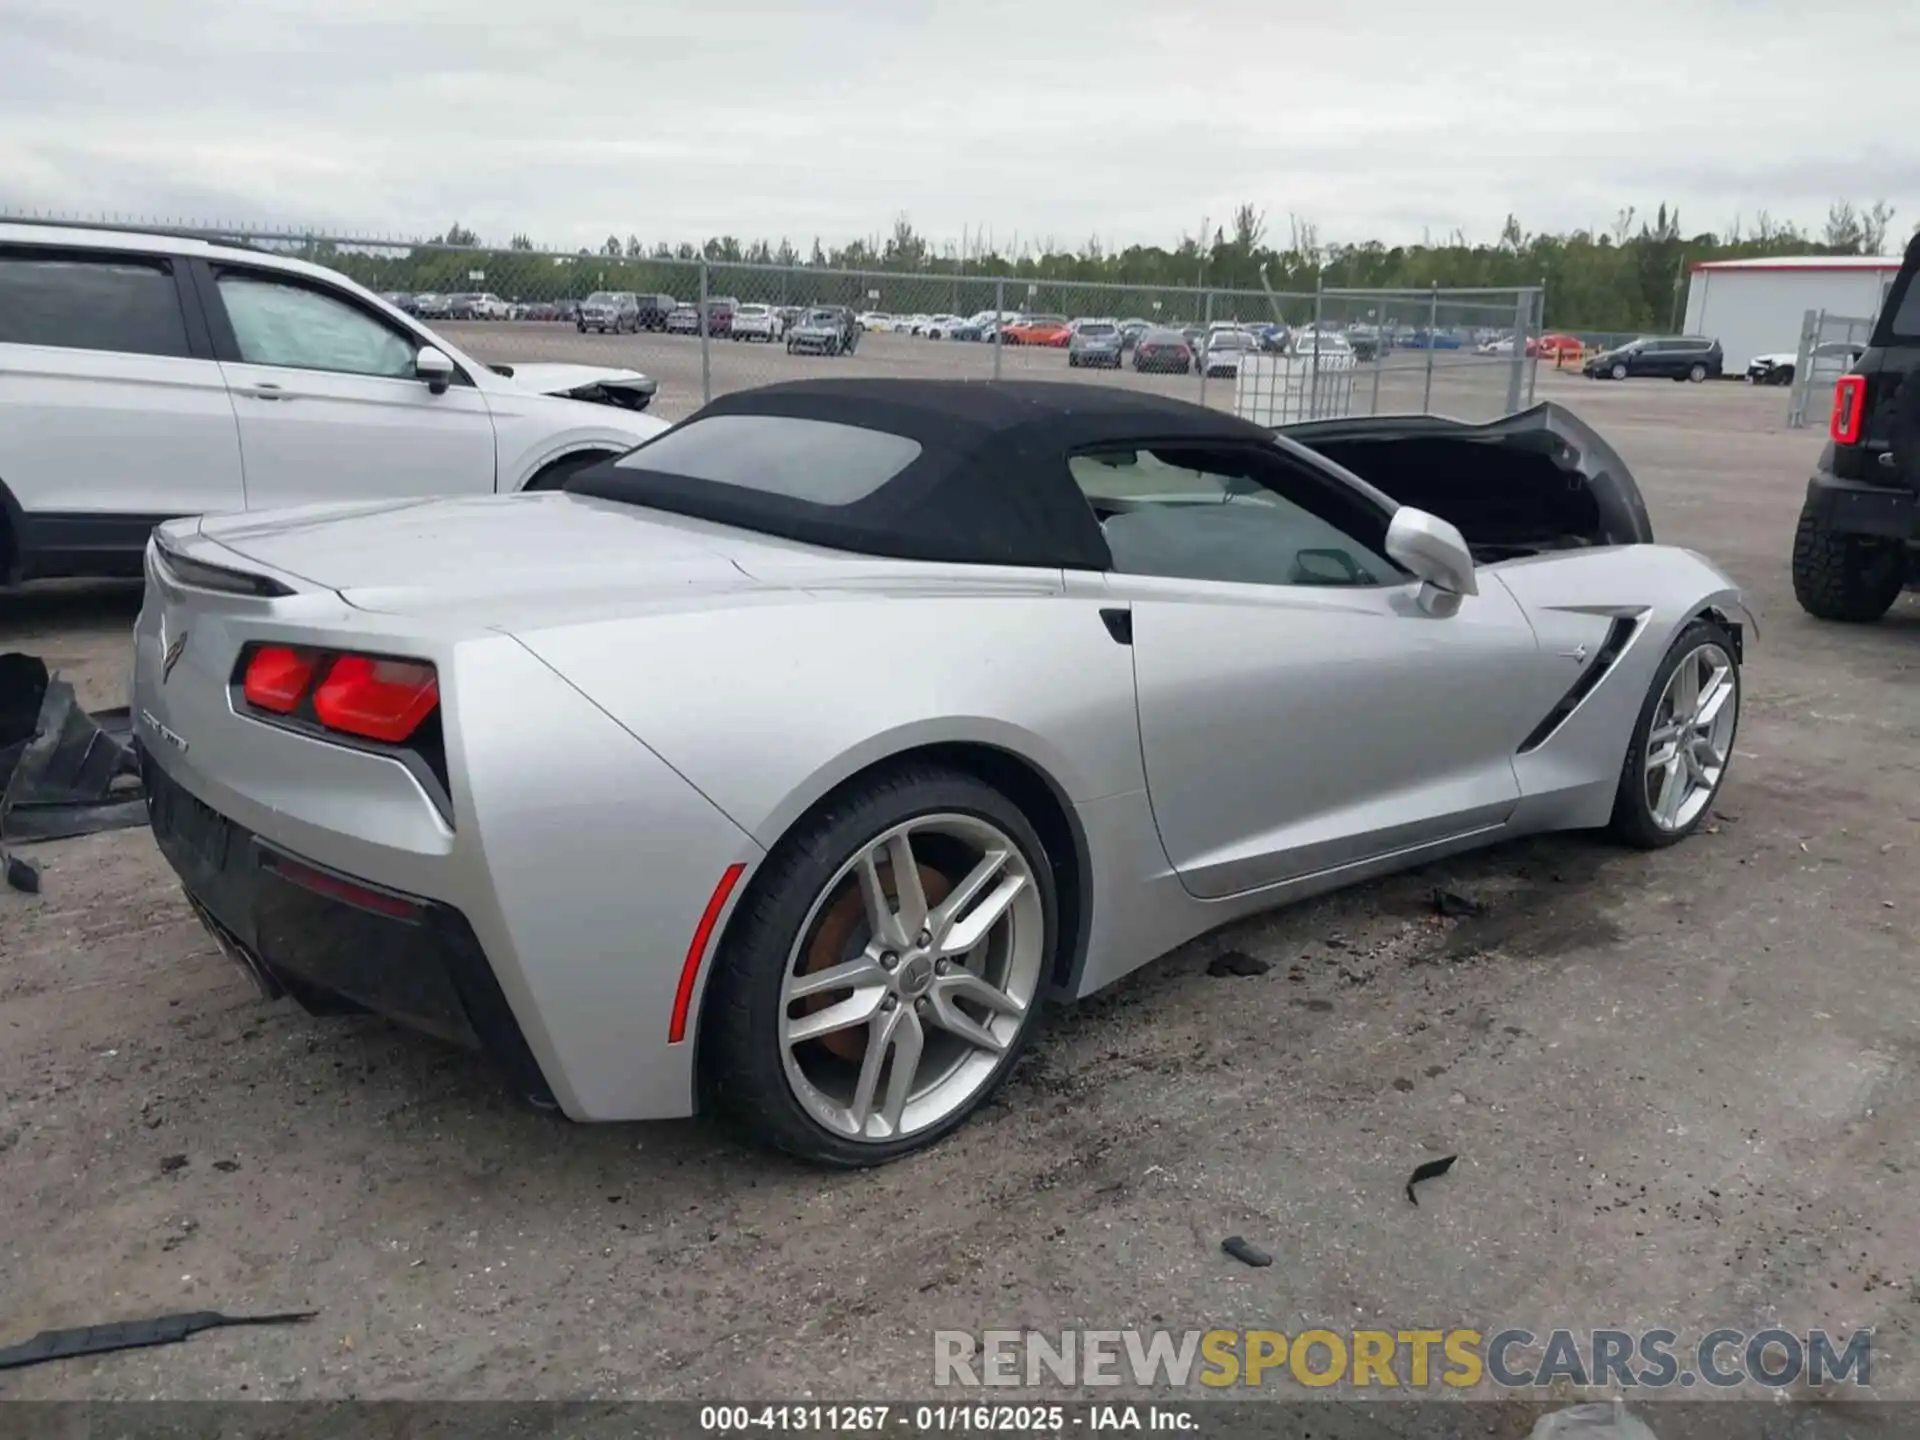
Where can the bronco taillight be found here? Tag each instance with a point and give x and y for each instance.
(1849, 409)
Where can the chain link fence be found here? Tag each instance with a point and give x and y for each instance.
(1829, 344)
(704, 326)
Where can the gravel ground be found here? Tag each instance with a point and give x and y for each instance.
(1682, 1088)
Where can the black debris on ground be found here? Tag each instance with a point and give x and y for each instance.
(1452, 905)
(170, 1163)
(1429, 1170)
(1245, 1252)
(1237, 962)
(130, 1335)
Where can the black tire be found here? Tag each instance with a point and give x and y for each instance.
(560, 471)
(1849, 578)
(1632, 822)
(742, 1073)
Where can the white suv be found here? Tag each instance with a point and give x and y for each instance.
(758, 322)
(144, 377)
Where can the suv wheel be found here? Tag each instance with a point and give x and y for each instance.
(1697, 374)
(1619, 372)
(1850, 578)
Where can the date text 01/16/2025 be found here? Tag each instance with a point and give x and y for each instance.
(943, 1419)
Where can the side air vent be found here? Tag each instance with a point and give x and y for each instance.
(1618, 634)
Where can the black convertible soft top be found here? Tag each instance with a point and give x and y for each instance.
(968, 471)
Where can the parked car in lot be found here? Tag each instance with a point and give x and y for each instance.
(400, 300)
(479, 305)
(1049, 330)
(654, 310)
(757, 322)
(683, 319)
(1224, 351)
(1675, 357)
(431, 305)
(149, 376)
(1365, 341)
(1327, 345)
(875, 320)
(1555, 346)
(1831, 359)
(614, 312)
(944, 327)
(1858, 542)
(1095, 343)
(821, 331)
(1166, 352)
(720, 312)
(380, 742)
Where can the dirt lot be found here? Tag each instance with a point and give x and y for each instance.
(1682, 1088)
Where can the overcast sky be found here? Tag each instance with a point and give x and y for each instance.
(1046, 119)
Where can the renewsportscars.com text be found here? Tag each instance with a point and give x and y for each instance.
(1460, 1359)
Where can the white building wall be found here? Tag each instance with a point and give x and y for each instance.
(1759, 312)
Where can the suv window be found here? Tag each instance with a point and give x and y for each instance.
(1197, 515)
(126, 304)
(1905, 322)
(293, 325)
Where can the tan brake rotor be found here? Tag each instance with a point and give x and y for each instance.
(829, 946)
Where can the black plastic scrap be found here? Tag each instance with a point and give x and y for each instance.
(1237, 962)
(1431, 1170)
(1246, 1253)
(130, 1335)
(63, 772)
(1452, 905)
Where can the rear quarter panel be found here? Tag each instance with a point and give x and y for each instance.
(767, 708)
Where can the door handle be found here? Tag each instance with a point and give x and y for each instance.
(266, 390)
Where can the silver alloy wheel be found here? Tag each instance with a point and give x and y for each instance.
(1690, 737)
(912, 1011)
(1619, 372)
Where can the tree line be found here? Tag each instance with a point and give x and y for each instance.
(1629, 276)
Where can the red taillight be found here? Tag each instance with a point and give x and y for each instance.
(376, 699)
(277, 677)
(1849, 409)
(336, 887)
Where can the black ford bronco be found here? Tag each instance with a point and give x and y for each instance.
(1858, 544)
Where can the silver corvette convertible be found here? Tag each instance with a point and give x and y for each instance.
(791, 762)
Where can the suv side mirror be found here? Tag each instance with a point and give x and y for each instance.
(434, 366)
(1437, 554)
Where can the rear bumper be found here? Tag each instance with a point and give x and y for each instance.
(1848, 507)
(334, 942)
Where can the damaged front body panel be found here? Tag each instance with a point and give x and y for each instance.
(595, 384)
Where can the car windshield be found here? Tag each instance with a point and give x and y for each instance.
(600, 297)
(1046, 320)
(822, 317)
(753, 311)
(1099, 330)
(1228, 340)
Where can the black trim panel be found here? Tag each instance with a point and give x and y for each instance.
(1618, 634)
(59, 544)
(294, 925)
(1850, 507)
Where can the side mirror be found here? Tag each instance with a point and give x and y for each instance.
(434, 366)
(1437, 554)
